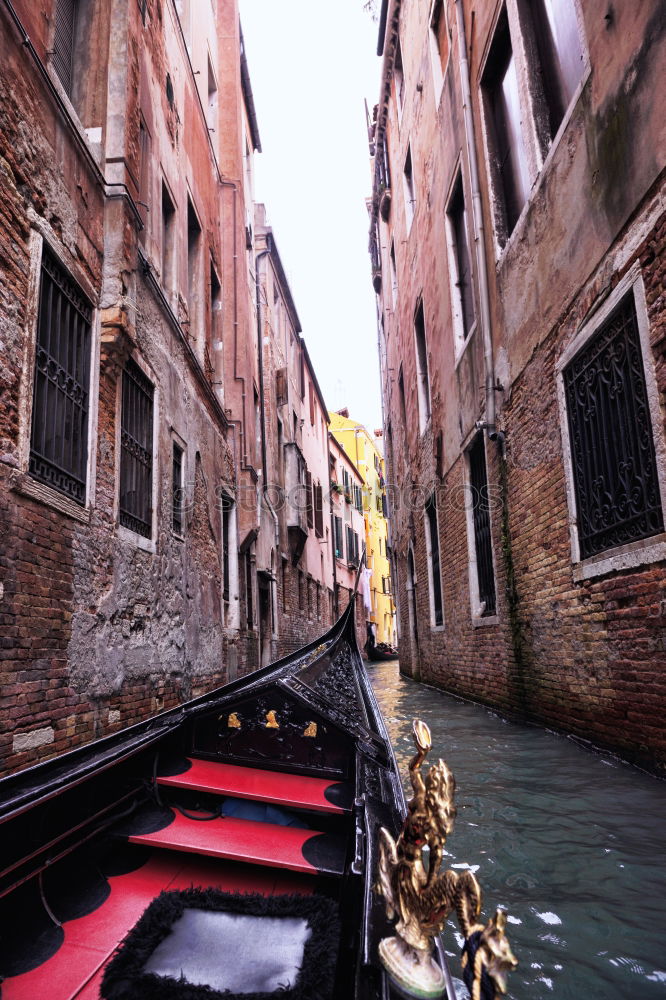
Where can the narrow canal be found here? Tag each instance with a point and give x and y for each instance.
(572, 843)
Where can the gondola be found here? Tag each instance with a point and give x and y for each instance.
(227, 848)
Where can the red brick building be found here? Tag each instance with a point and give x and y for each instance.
(517, 246)
(132, 531)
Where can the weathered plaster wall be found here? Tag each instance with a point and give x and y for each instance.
(583, 655)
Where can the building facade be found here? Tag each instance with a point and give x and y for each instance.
(141, 559)
(295, 544)
(364, 451)
(517, 248)
(348, 533)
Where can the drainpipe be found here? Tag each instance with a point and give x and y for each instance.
(479, 230)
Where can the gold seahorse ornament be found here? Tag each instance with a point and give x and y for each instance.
(422, 900)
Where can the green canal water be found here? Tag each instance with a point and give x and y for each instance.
(572, 843)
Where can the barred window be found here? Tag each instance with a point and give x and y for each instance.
(66, 14)
(478, 481)
(59, 434)
(136, 451)
(610, 433)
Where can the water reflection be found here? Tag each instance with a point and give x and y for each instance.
(572, 843)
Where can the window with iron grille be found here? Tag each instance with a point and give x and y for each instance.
(435, 571)
(136, 451)
(479, 500)
(177, 488)
(63, 42)
(59, 433)
(610, 435)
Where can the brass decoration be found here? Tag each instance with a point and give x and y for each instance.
(271, 720)
(422, 901)
(311, 730)
(233, 722)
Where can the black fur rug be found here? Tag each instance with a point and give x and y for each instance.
(126, 978)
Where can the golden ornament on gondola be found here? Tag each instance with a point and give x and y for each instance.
(422, 900)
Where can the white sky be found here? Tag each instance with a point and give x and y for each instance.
(311, 65)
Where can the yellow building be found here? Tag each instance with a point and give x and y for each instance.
(364, 451)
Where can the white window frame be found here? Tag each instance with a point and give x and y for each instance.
(409, 190)
(231, 610)
(479, 620)
(460, 339)
(24, 483)
(394, 274)
(644, 550)
(431, 579)
(399, 81)
(423, 395)
(537, 162)
(438, 71)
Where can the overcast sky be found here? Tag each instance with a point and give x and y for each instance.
(312, 64)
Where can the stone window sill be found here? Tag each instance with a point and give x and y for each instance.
(33, 488)
(631, 556)
(139, 542)
(482, 622)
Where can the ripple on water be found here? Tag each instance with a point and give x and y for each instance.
(570, 842)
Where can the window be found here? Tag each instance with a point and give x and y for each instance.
(177, 489)
(479, 501)
(352, 547)
(228, 543)
(168, 239)
(212, 98)
(311, 394)
(301, 591)
(145, 147)
(358, 498)
(285, 577)
(136, 451)
(309, 505)
(337, 537)
(63, 42)
(281, 390)
(394, 275)
(318, 510)
(194, 274)
(215, 305)
(403, 405)
(422, 376)
(560, 54)
(439, 45)
(507, 151)
(460, 269)
(59, 434)
(432, 541)
(610, 435)
(399, 79)
(408, 188)
(249, 595)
